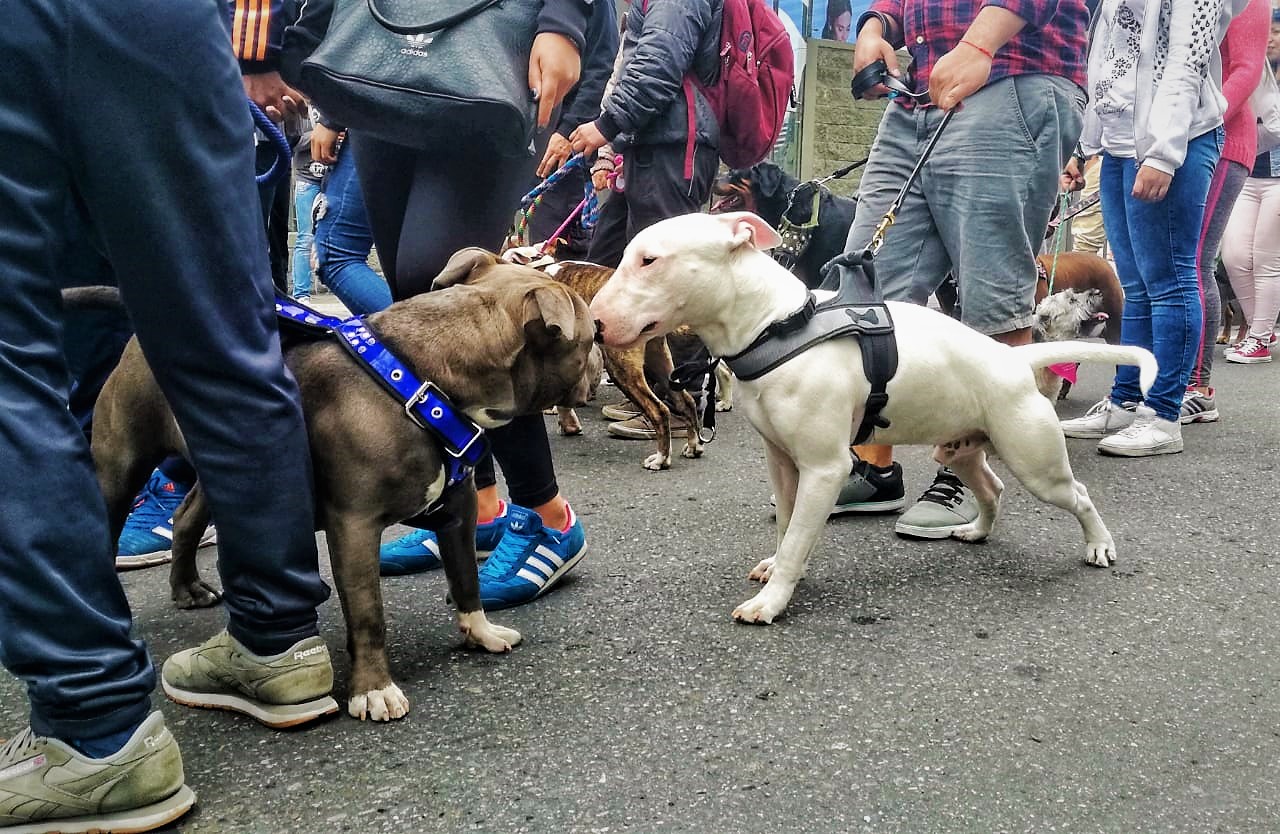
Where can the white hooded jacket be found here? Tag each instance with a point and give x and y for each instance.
(1178, 77)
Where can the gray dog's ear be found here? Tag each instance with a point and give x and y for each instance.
(551, 311)
(460, 266)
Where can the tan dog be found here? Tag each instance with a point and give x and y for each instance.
(642, 373)
(499, 341)
(1083, 272)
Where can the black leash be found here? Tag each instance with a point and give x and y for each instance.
(689, 376)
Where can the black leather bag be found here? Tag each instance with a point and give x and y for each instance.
(458, 78)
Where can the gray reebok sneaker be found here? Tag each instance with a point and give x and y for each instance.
(288, 689)
(946, 506)
(47, 786)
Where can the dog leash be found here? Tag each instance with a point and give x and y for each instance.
(589, 207)
(797, 236)
(284, 153)
(1058, 235)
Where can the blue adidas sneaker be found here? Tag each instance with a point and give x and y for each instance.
(147, 537)
(530, 559)
(419, 551)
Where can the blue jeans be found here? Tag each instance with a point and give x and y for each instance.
(182, 227)
(1155, 247)
(304, 197)
(343, 242)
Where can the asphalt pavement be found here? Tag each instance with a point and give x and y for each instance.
(910, 687)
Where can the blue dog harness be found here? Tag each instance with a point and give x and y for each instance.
(424, 403)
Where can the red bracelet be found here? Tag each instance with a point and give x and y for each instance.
(980, 49)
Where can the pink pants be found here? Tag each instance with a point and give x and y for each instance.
(1251, 253)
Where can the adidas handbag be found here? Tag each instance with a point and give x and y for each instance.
(459, 78)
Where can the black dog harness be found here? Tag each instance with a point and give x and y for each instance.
(425, 404)
(855, 310)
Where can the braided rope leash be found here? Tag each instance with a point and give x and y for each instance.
(589, 207)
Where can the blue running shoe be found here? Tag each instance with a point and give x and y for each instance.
(530, 559)
(147, 537)
(418, 550)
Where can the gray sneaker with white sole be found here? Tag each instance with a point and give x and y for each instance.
(946, 506)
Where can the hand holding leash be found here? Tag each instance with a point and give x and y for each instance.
(959, 74)
(871, 49)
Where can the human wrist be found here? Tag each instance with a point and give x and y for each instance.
(979, 47)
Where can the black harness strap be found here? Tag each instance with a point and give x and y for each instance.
(856, 310)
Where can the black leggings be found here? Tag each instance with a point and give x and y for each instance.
(424, 206)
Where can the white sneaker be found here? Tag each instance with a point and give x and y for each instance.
(1146, 435)
(1102, 419)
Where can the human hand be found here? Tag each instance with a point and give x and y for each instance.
(960, 73)
(600, 180)
(871, 47)
(587, 139)
(1072, 178)
(276, 98)
(324, 144)
(1151, 184)
(558, 151)
(554, 67)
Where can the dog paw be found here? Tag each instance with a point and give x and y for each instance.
(759, 610)
(722, 406)
(970, 533)
(570, 425)
(1100, 554)
(197, 594)
(657, 462)
(479, 633)
(691, 451)
(386, 704)
(762, 571)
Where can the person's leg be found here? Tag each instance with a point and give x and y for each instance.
(912, 261)
(1199, 404)
(1238, 243)
(992, 225)
(304, 198)
(609, 240)
(468, 199)
(1166, 243)
(1116, 411)
(200, 296)
(1265, 289)
(343, 242)
(1087, 234)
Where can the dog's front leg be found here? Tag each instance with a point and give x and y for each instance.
(353, 551)
(186, 588)
(815, 495)
(783, 477)
(457, 537)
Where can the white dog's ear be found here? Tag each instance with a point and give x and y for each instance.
(747, 228)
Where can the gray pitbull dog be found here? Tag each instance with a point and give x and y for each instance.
(955, 388)
(499, 340)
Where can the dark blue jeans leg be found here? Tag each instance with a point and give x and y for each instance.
(194, 275)
(1157, 263)
(64, 620)
(343, 242)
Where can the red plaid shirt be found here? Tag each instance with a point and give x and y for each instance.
(1055, 40)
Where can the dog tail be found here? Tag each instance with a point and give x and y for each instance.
(1043, 354)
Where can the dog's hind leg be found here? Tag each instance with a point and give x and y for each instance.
(1036, 453)
(353, 552)
(626, 369)
(968, 459)
(189, 522)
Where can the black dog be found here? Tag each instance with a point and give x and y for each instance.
(770, 192)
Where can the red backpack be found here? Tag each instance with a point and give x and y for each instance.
(757, 71)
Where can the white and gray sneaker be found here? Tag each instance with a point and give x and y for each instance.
(1100, 420)
(1198, 407)
(1147, 435)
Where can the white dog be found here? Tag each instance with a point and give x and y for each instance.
(954, 387)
